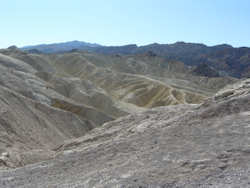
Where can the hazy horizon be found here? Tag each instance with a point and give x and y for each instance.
(116, 22)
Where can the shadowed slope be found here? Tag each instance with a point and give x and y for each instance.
(28, 126)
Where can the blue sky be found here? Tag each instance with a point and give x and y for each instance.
(119, 22)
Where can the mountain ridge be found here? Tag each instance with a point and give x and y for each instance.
(60, 46)
(225, 59)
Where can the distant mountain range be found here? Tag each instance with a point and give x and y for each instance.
(225, 59)
(61, 47)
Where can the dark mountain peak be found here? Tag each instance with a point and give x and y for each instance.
(152, 45)
(179, 43)
(62, 47)
(80, 43)
(76, 41)
(186, 44)
(130, 45)
(13, 47)
(222, 46)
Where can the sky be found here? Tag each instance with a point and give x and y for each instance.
(121, 22)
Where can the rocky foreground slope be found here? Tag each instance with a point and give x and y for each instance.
(186, 145)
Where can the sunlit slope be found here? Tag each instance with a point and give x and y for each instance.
(117, 85)
(139, 89)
